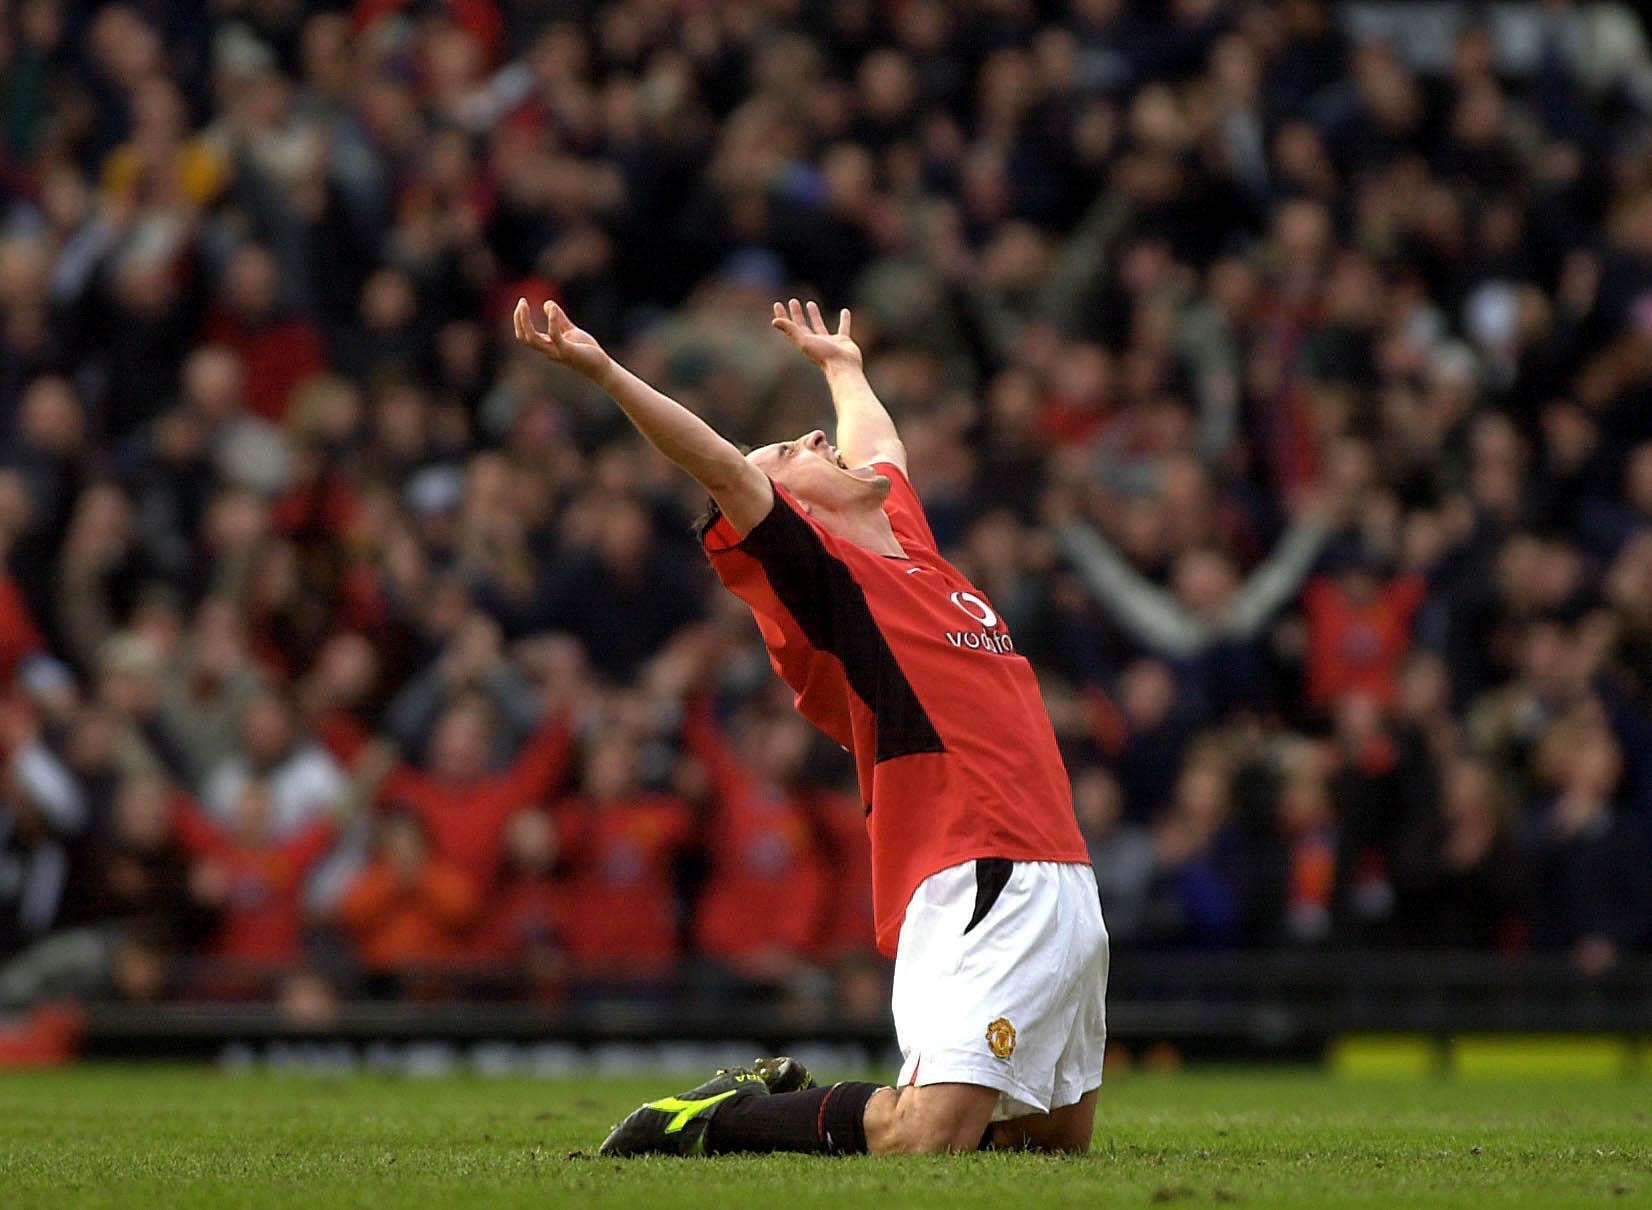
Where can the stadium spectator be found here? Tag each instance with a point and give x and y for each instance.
(1209, 623)
(766, 885)
(302, 780)
(139, 875)
(1153, 726)
(524, 919)
(1459, 879)
(254, 880)
(44, 820)
(1121, 852)
(623, 847)
(279, 351)
(1358, 630)
(408, 909)
(846, 927)
(1594, 869)
(463, 806)
(1194, 899)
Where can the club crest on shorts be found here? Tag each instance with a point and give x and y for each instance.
(1001, 1038)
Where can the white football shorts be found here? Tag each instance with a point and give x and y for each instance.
(1001, 981)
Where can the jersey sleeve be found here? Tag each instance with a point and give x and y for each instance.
(784, 568)
(904, 509)
(787, 572)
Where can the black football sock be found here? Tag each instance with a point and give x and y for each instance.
(826, 1121)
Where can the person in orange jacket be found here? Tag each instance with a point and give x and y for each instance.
(408, 909)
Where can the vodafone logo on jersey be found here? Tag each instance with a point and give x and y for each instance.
(988, 638)
(976, 608)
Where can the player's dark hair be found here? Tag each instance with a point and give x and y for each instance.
(706, 519)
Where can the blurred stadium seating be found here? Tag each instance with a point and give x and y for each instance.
(1282, 371)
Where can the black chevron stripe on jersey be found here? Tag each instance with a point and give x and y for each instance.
(829, 605)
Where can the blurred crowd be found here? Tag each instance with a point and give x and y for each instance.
(1291, 404)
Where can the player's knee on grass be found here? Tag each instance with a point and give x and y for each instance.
(1069, 1128)
(930, 1120)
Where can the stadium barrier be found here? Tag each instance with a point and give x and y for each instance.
(1226, 1005)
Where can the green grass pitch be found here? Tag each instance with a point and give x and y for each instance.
(176, 1138)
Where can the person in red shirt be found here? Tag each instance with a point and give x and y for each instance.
(255, 880)
(335, 694)
(765, 892)
(846, 932)
(982, 885)
(19, 637)
(461, 804)
(278, 351)
(622, 846)
(1359, 631)
(524, 926)
(408, 908)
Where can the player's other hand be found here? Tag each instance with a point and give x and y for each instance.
(807, 330)
(562, 342)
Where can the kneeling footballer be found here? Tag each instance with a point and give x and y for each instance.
(982, 888)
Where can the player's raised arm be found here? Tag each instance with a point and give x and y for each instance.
(743, 492)
(865, 433)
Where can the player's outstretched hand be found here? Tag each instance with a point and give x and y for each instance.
(562, 342)
(808, 332)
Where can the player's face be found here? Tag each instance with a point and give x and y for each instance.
(811, 469)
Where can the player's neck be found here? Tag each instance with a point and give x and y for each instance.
(865, 527)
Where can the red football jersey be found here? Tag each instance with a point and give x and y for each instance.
(905, 663)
